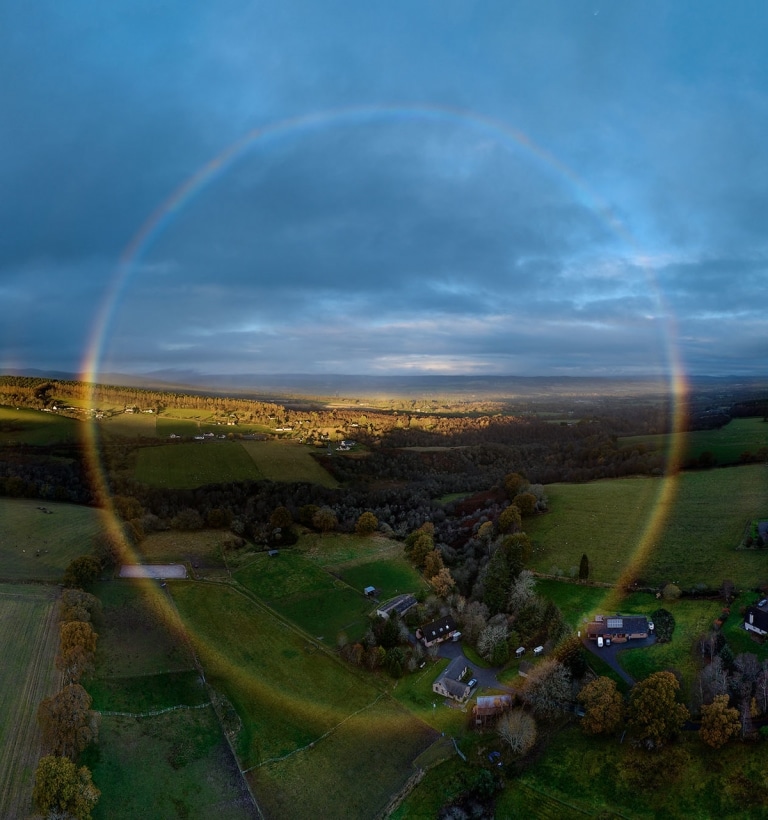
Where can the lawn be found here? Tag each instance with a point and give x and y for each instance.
(194, 464)
(176, 765)
(35, 545)
(390, 576)
(25, 426)
(28, 642)
(701, 526)
(692, 619)
(333, 549)
(287, 461)
(726, 444)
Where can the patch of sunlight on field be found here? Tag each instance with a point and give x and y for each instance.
(288, 461)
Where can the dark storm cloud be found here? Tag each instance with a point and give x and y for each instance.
(403, 242)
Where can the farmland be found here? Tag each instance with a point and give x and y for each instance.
(727, 444)
(704, 524)
(64, 533)
(28, 640)
(287, 461)
(25, 426)
(194, 464)
(289, 694)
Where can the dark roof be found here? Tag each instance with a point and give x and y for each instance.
(439, 629)
(759, 617)
(618, 625)
(398, 605)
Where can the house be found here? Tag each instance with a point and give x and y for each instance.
(449, 683)
(396, 606)
(437, 631)
(619, 628)
(488, 707)
(756, 617)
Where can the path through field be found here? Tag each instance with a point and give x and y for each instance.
(29, 638)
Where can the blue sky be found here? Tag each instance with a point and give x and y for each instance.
(532, 188)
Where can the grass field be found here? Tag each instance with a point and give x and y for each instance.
(138, 632)
(352, 772)
(65, 534)
(28, 640)
(24, 426)
(286, 691)
(175, 765)
(726, 444)
(130, 425)
(334, 549)
(287, 461)
(201, 547)
(194, 464)
(308, 595)
(703, 524)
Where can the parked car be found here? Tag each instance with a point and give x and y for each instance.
(472, 682)
(600, 641)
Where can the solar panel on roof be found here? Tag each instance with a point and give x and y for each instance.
(615, 623)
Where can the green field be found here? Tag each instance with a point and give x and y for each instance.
(307, 595)
(130, 425)
(25, 530)
(297, 703)
(286, 691)
(334, 549)
(390, 576)
(726, 444)
(201, 548)
(703, 524)
(175, 765)
(194, 464)
(25, 426)
(28, 641)
(287, 461)
(138, 632)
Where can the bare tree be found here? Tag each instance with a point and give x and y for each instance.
(518, 730)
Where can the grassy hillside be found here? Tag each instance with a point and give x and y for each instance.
(726, 444)
(25, 426)
(194, 464)
(35, 545)
(703, 525)
(287, 461)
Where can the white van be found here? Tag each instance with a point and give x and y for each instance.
(538, 650)
(600, 641)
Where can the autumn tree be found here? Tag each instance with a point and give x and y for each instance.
(654, 713)
(77, 647)
(442, 583)
(719, 722)
(548, 688)
(510, 519)
(325, 520)
(67, 723)
(522, 591)
(517, 729)
(513, 483)
(62, 790)
(526, 503)
(433, 563)
(280, 518)
(418, 545)
(603, 707)
(78, 605)
(571, 653)
(77, 633)
(82, 571)
(367, 524)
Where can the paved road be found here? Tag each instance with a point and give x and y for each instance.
(485, 677)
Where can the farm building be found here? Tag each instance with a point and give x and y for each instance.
(437, 631)
(756, 618)
(619, 628)
(449, 682)
(489, 707)
(397, 606)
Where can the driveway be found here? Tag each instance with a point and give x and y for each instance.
(485, 677)
(610, 654)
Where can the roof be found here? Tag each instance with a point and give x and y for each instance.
(399, 605)
(759, 616)
(438, 629)
(618, 625)
(491, 704)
